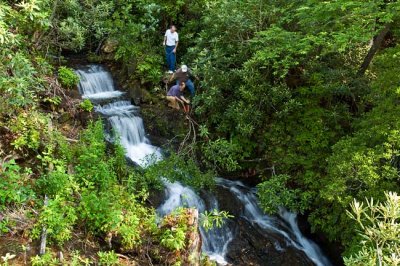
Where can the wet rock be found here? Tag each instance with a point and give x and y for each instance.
(251, 247)
(135, 93)
(156, 197)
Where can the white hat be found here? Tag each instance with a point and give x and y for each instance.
(184, 68)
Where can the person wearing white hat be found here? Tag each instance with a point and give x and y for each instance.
(183, 74)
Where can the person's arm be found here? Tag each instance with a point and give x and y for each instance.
(171, 78)
(183, 99)
(165, 40)
(176, 43)
(176, 46)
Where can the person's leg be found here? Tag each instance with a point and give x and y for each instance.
(167, 56)
(177, 107)
(173, 59)
(170, 101)
(170, 55)
(190, 86)
(173, 102)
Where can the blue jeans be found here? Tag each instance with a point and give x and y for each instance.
(171, 59)
(189, 85)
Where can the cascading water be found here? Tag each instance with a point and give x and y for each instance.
(286, 226)
(216, 240)
(96, 84)
(124, 120)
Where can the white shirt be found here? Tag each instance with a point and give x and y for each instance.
(172, 38)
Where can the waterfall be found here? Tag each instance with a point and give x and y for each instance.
(286, 226)
(96, 84)
(216, 240)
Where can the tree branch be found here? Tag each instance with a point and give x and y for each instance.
(376, 44)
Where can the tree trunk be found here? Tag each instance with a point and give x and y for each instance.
(43, 237)
(376, 44)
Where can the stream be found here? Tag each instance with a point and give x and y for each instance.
(251, 237)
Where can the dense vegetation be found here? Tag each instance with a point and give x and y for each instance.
(308, 88)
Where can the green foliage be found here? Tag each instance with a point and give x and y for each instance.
(107, 258)
(174, 239)
(179, 168)
(67, 77)
(58, 216)
(45, 260)
(278, 88)
(379, 231)
(15, 188)
(214, 218)
(173, 236)
(223, 154)
(285, 94)
(274, 193)
(28, 129)
(86, 105)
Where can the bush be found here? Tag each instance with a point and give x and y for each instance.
(67, 77)
(107, 258)
(174, 229)
(14, 185)
(58, 217)
(86, 105)
(379, 231)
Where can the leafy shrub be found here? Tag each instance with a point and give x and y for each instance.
(214, 218)
(15, 185)
(56, 183)
(28, 128)
(223, 154)
(86, 105)
(67, 77)
(379, 230)
(59, 217)
(173, 230)
(101, 211)
(274, 193)
(44, 260)
(107, 258)
(178, 168)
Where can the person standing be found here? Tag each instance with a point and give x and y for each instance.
(184, 74)
(171, 40)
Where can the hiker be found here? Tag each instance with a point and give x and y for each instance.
(175, 96)
(183, 74)
(171, 40)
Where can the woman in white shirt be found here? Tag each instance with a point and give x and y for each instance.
(171, 40)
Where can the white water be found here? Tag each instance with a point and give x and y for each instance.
(289, 231)
(97, 85)
(215, 241)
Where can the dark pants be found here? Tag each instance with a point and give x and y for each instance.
(171, 59)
